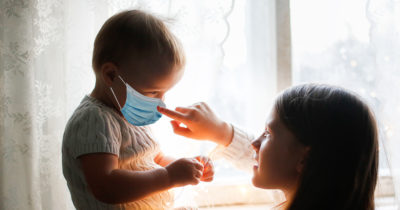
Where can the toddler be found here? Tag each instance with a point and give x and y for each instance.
(110, 159)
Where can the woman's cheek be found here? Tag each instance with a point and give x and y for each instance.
(264, 166)
(262, 174)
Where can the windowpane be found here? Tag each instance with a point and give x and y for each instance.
(229, 68)
(348, 43)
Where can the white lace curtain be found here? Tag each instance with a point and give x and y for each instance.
(45, 70)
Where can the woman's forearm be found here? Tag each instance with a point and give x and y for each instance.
(225, 135)
(163, 160)
(239, 151)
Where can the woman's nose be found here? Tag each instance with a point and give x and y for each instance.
(256, 144)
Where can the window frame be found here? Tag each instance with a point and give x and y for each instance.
(234, 192)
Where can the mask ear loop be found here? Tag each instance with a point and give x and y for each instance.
(115, 97)
(119, 76)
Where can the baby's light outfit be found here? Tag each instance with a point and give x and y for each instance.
(96, 128)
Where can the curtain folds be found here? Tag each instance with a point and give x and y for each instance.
(45, 70)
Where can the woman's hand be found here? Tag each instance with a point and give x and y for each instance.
(201, 123)
(208, 171)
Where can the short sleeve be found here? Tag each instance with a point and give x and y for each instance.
(92, 130)
(239, 152)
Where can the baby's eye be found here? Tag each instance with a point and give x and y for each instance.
(153, 93)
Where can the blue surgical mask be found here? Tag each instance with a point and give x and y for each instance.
(138, 109)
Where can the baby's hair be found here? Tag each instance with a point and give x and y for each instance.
(340, 170)
(134, 36)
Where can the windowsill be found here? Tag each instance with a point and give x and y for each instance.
(240, 207)
(242, 195)
(232, 195)
(383, 203)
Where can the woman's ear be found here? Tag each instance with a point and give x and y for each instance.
(108, 73)
(303, 159)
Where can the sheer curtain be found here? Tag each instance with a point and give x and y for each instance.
(45, 70)
(384, 17)
(356, 44)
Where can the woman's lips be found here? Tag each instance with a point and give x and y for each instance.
(255, 167)
(255, 156)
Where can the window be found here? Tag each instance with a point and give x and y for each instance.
(238, 58)
(348, 43)
(231, 67)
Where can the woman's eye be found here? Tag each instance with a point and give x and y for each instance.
(266, 134)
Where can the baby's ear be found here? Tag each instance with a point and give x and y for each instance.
(303, 160)
(108, 73)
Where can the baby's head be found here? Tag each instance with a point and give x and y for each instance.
(321, 147)
(139, 48)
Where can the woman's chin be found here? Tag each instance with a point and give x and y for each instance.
(256, 180)
(256, 183)
(259, 182)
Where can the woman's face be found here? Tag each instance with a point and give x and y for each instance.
(279, 156)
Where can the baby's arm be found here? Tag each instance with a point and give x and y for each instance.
(112, 185)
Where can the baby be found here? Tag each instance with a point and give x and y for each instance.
(110, 159)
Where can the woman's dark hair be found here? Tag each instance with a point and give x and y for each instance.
(340, 170)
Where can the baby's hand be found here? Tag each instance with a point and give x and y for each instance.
(208, 171)
(185, 171)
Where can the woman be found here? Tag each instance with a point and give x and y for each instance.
(320, 146)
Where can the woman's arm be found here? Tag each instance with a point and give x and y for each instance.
(239, 152)
(163, 160)
(201, 123)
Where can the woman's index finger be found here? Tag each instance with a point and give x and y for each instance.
(172, 114)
